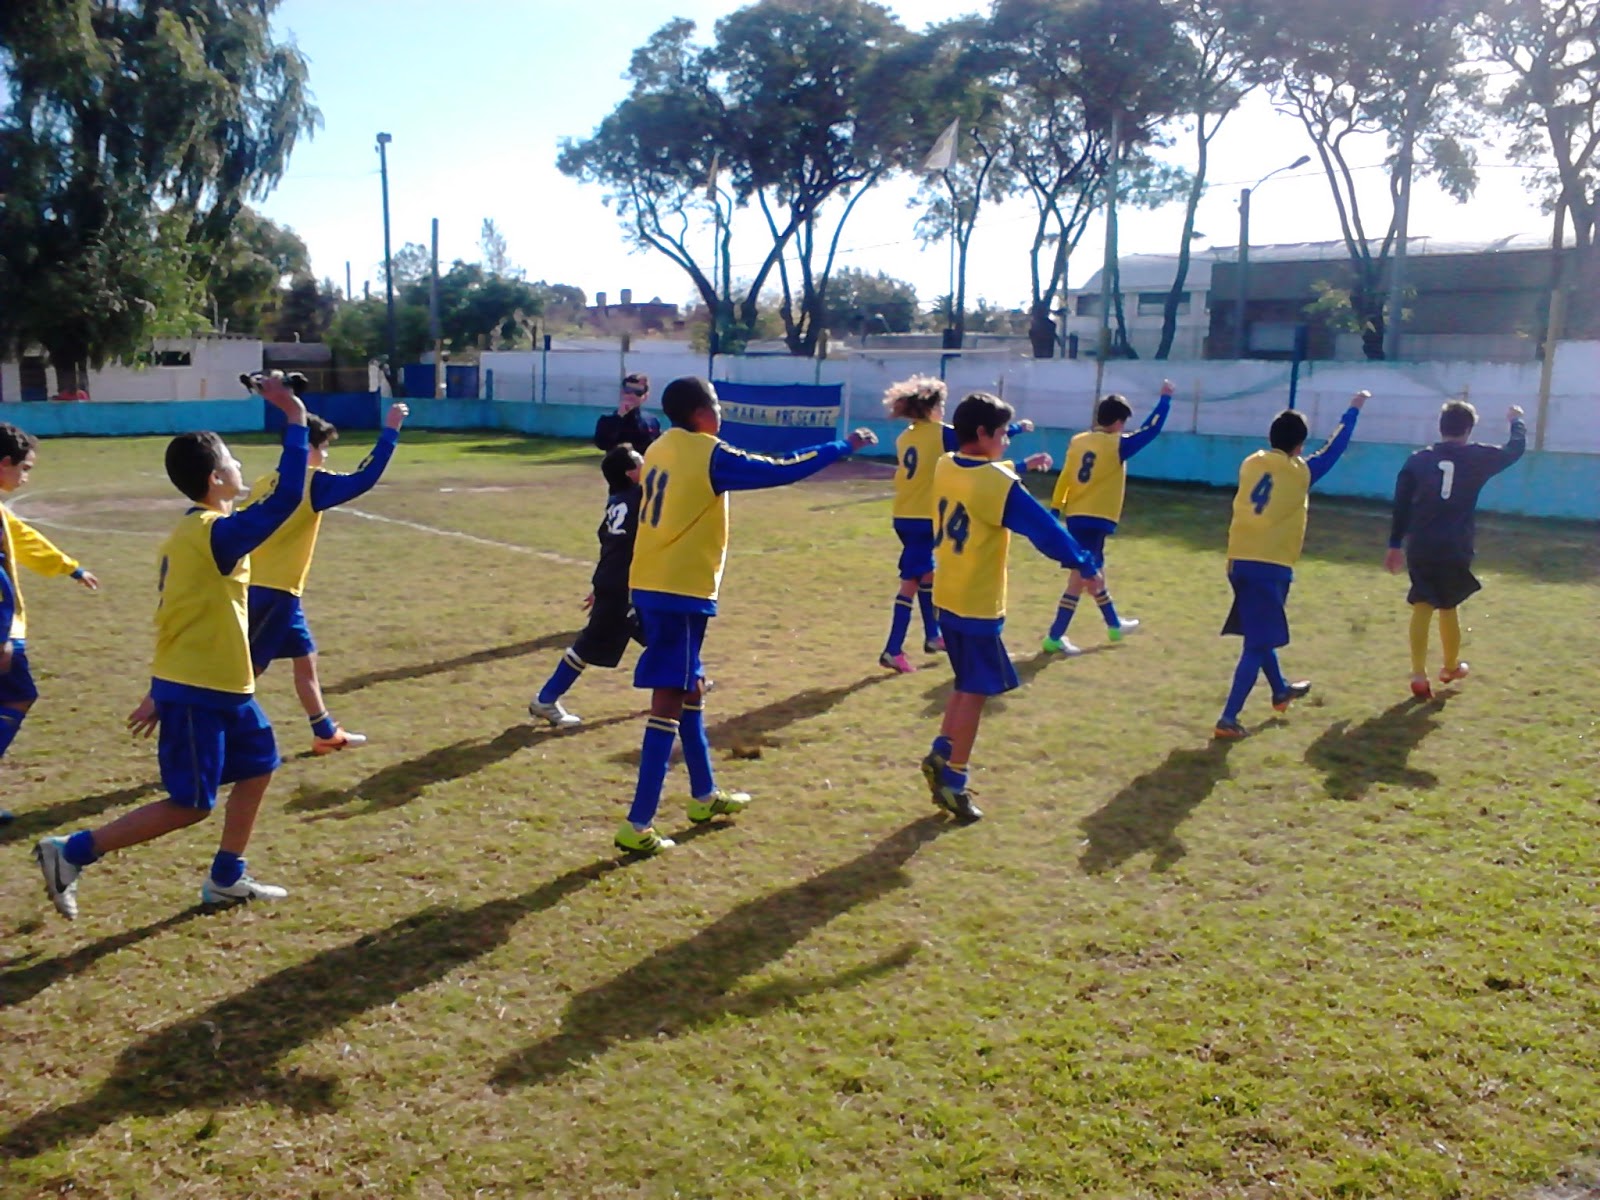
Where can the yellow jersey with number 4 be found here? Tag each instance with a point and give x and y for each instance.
(1269, 509)
(970, 540)
(683, 523)
(1094, 481)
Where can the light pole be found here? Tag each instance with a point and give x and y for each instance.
(1240, 342)
(388, 262)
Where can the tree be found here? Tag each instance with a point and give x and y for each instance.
(412, 264)
(305, 312)
(124, 124)
(496, 257)
(1394, 68)
(859, 302)
(248, 270)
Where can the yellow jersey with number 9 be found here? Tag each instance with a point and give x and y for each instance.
(202, 637)
(1094, 481)
(970, 540)
(1269, 509)
(916, 451)
(683, 524)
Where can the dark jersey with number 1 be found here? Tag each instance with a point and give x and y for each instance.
(1436, 496)
(618, 529)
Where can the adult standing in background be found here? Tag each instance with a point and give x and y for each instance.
(629, 423)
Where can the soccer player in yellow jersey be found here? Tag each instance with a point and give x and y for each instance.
(280, 565)
(21, 545)
(919, 400)
(1088, 498)
(1264, 543)
(978, 501)
(202, 688)
(678, 557)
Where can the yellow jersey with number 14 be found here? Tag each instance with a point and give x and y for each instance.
(916, 451)
(970, 540)
(1094, 481)
(1269, 509)
(683, 523)
(202, 637)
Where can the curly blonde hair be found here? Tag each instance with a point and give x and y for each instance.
(915, 398)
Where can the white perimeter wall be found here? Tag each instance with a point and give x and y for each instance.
(214, 374)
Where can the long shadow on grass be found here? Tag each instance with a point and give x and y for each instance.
(1145, 815)
(549, 641)
(27, 982)
(1027, 670)
(400, 783)
(1354, 757)
(228, 1055)
(686, 985)
(32, 823)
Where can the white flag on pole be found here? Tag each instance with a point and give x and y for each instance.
(943, 155)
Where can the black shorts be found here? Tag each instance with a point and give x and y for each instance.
(612, 624)
(1441, 584)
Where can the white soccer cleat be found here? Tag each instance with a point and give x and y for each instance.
(212, 892)
(1124, 627)
(558, 717)
(60, 876)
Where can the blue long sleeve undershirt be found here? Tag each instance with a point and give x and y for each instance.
(8, 604)
(329, 489)
(241, 531)
(1322, 461)
(1025, 515)
(953, 443)
(1141, 437)
(735, 470)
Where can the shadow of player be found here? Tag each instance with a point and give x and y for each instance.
(1353, 758)
(548, 641)
(686, 985)
(1145, 815)
(27, 982)
(31, 824)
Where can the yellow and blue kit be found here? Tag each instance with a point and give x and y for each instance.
(212, 731)
(1093, 484)
(978, 503)
(21, 545)
(280, 566)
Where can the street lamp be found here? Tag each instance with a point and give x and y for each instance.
(1239, 340)
(388, 262)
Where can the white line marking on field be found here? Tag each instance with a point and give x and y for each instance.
(547, 555)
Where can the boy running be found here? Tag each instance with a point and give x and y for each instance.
(1435, 503)
(1088, 498)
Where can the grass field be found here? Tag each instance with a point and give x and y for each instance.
(1352, 956)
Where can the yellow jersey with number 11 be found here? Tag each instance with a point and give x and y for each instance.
(683, 523)
(1269, 509)
(970, 540)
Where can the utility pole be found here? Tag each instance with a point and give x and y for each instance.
(434, 328)
(1240, 342)
(388, 267)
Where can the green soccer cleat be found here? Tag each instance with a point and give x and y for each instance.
(718, 804)
(1062, 646)
(1118, 632)
(646, 842)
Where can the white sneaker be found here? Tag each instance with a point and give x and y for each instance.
(1126, 626)
(60, 876)
(212, 892)
(558, 717)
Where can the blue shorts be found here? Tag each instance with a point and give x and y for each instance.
(16, 685)
(916, 546)
(278, 627)
(201, 748)
(1258, 614)
(671, 655)
(982, 666)
(1090, 533)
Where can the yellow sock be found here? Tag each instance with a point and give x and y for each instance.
(1421, 619)
(1450, 637)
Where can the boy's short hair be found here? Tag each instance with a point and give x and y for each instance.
(15, 443)
(1112, 409)
(1289, 431)
(685, 397)
(913, 399)
(636, 382)
(619, 460)
(191, 459)
(980, 413)
(1457, 418)
(319, 431)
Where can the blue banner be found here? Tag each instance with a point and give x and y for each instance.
(781, 418)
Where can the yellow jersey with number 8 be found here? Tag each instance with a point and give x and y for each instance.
(970, 540)
(1269, 509)
(1094, 481)
(683, 523)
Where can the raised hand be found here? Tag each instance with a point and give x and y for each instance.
(396, 416)
(1025, 425)
(1168, 388)
(862, 437)
(1359, 400)
(276, 392)
(1514, 413)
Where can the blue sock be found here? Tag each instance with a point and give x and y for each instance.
(898, 624)
(1064, 614)
(322, 725)
(1244, 678)
(659, 734)
(1108, 610)
(226, 869)
(567, 672)
(954, 777)
(1273, 672)
(942, 747)
(930, 615)
(697, 750)
(10, 721)
(79, 850)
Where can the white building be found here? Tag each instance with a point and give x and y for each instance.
(200, 368)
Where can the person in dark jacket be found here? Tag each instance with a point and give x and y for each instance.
(629, 423)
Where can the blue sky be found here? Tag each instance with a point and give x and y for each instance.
(478, 93)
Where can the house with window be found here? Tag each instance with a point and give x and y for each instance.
(1146, 280)
(199, 368)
